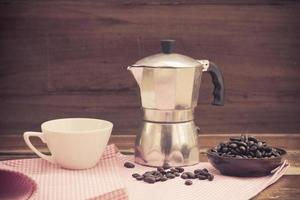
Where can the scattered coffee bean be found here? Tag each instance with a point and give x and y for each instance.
(129, 165)
(184, 176)
(160, 169)
(149, 179)
(210, 177)
(180, 169)
(166, 166)
(205, 170)
(162, 175)
(147, 174)
(135, 175)
(201, 177)
(139, 178)
(188, 182)
(174, 170)
(191, 175)
(170, 176)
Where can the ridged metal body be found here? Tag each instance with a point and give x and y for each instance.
(169, 88)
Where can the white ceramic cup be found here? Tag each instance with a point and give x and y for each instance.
(74, 143)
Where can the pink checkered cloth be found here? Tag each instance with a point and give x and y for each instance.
(222, 187)
(109, 180)
(102, 182)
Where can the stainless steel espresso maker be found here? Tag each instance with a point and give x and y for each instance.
(169, 86)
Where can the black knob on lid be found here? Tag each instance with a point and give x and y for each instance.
(167, 46)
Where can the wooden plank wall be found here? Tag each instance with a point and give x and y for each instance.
(68, 58)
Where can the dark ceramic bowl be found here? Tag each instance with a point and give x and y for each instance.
(245, 166)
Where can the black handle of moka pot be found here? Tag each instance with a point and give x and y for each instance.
(218, 81)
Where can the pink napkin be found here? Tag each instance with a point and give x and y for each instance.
(222, 187)
(102, 182)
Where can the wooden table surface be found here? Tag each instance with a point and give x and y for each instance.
(288, 187)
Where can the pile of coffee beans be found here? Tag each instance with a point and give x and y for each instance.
(166, 172)
(245, 147)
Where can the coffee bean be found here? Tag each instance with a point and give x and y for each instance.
(234, 152)
(210, 177)
(233, 145)
(147, 174)
(174, 170)
(268, 154)
(139, 178)
(259, 145)
(154, 172)
(149, 179)
(241, 144)
(176, 174)
(242, 149)
(196, 171)
(201, 177)
(253, 154)
(191, 175)
(184, 176)
(180, 169)
(205, 170)
(224, 149)
(253, 148)
(160, 169)
(157, 178)
(252, 139)
(170, 176)
(166, 166)
(129, 165)
(135, 175)
(268, 149)
(163, 179)
(188, 182)
(258, 154)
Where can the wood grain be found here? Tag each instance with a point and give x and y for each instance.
(68, 59)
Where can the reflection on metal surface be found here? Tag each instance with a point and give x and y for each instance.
(175, 143)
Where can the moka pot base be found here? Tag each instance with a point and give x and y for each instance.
(172, 143)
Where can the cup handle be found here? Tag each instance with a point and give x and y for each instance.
(27, 135)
